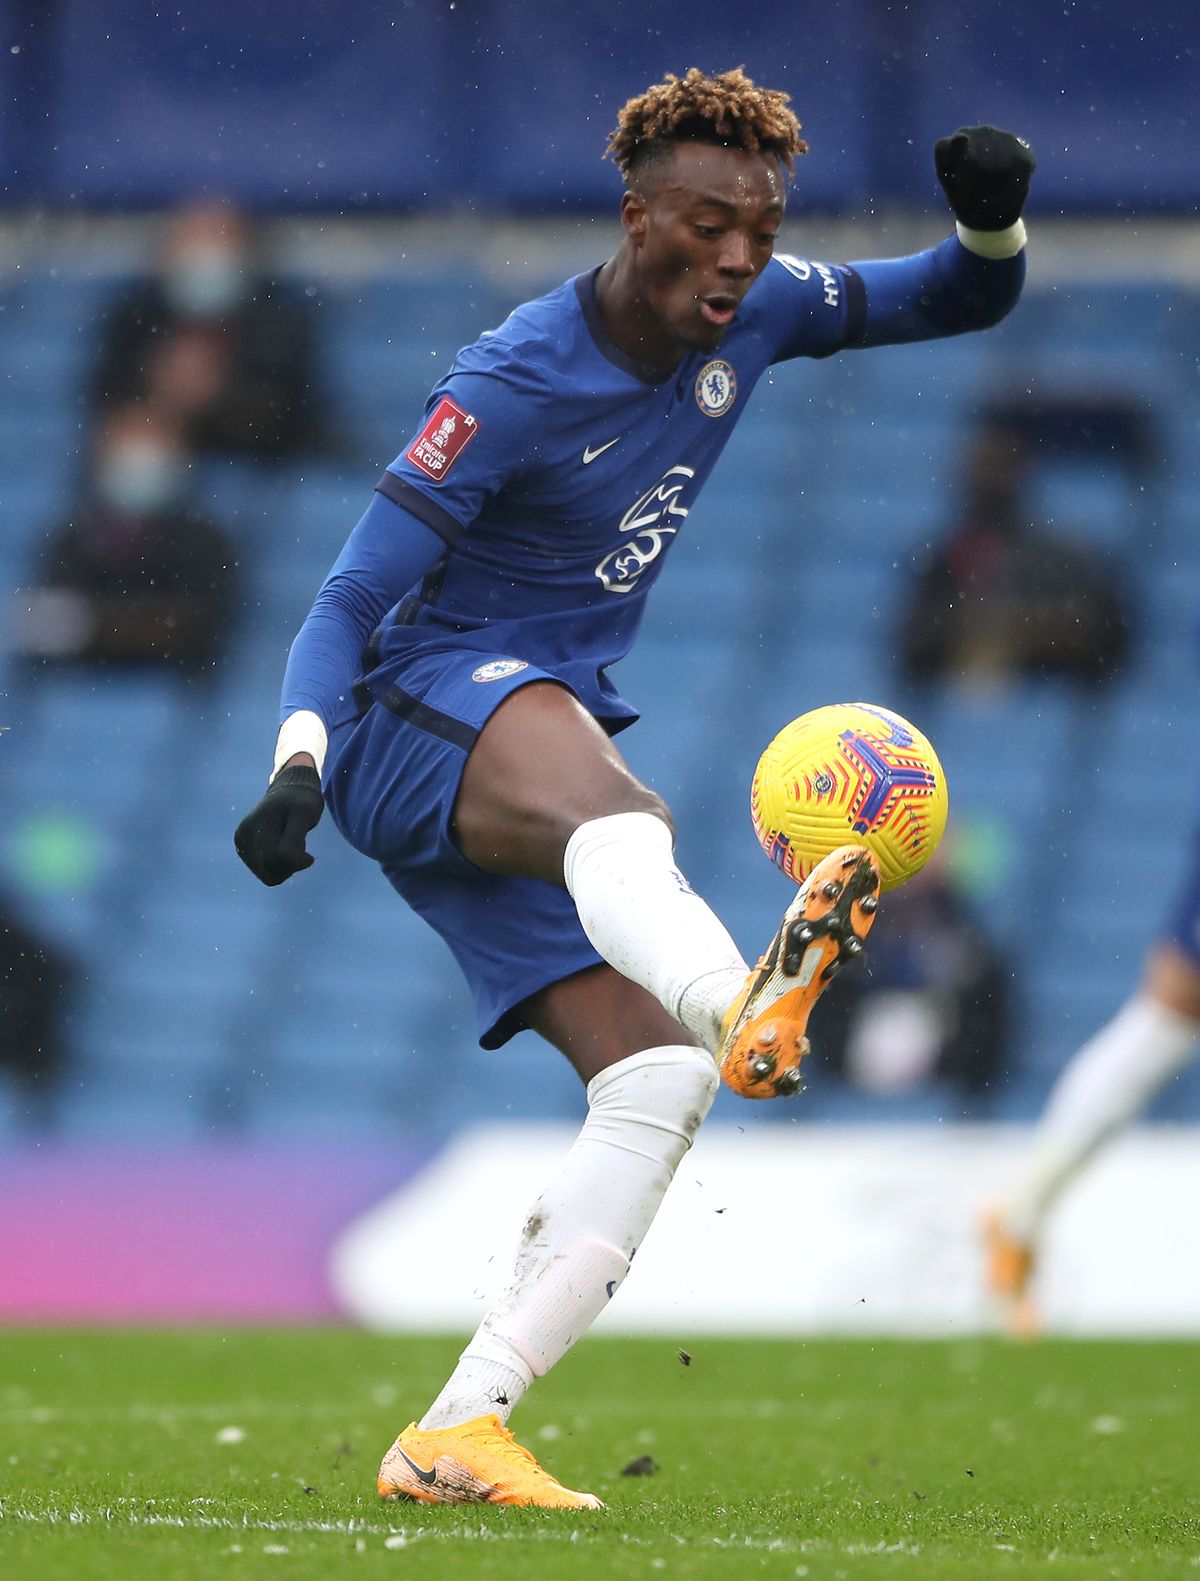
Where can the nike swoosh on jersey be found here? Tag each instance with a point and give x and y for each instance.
(590, 455)
(427, 1477)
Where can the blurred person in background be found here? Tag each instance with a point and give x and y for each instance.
(1003, 598)
(449, 695)
(1111, 1080)
(136, 576)
(36, 984)
(934, 1006)
(213, 339)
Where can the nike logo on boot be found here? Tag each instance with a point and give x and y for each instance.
(427, 1477)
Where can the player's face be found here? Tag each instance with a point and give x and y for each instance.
(702, 233)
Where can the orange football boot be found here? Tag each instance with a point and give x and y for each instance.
(1008, 1271)
(478, 1462)
(763, 1040)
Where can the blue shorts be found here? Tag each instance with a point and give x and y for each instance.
(1183, 921)
(391, 780)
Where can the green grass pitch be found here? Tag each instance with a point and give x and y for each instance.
(252, 1454)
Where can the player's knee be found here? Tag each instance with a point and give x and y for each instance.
(694, 1080)
(670, 1088)
(630, 799)
(625, 818)
(657, 808)
(594, 842)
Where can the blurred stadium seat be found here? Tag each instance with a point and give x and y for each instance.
(214, 1003)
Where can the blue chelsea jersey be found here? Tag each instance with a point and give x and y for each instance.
(552, 473)
(560, 473)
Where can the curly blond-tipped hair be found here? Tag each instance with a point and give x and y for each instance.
(727, 109)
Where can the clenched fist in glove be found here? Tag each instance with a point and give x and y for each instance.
(985, 174)
(270, 839)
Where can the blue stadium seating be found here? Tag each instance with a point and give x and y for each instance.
(325, 1007)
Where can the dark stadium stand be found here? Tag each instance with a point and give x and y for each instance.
(324, 1007)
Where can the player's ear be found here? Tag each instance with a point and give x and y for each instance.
(634, 216)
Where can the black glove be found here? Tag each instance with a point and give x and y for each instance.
(985, 174)
(270, 840)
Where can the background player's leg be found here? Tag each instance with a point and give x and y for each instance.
(645, 1104)
(1112, 1078)
(545, 794)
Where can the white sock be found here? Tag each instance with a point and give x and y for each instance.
(643, 917)
(584, 1229)
(1111, 1079)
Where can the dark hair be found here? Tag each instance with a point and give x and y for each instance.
(728, 109)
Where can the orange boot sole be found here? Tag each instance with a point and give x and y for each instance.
(823, 928)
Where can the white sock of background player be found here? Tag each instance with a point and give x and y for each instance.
(584, 1229)
(1112, 1078)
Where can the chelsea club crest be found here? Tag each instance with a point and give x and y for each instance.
(498, 669)
(716, 388)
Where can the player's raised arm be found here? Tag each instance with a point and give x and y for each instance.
(968, 282)
(973, 279)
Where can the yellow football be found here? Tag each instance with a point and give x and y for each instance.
(851, 773)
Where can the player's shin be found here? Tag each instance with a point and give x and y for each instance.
(582, 1233)
(642, 916)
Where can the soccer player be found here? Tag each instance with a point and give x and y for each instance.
(1110, 1080)
(448, 697)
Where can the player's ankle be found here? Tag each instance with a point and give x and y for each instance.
(706, 1003)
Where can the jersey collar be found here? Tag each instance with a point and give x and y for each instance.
(585, 290)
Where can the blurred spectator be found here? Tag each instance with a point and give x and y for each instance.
(135, 576)
(1002, 598)
(36, 983)
(216, 341)
(932, 1004)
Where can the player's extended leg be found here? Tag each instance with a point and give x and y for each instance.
(1112, 1078)
(648, 1091)
(545, 794)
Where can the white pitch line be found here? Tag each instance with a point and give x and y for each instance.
(337, 1410)
(39, 1415)
(411, 1534)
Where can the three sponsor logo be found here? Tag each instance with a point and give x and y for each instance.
(650, 525)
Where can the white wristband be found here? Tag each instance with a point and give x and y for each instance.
(992, 244)
(302, 731)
